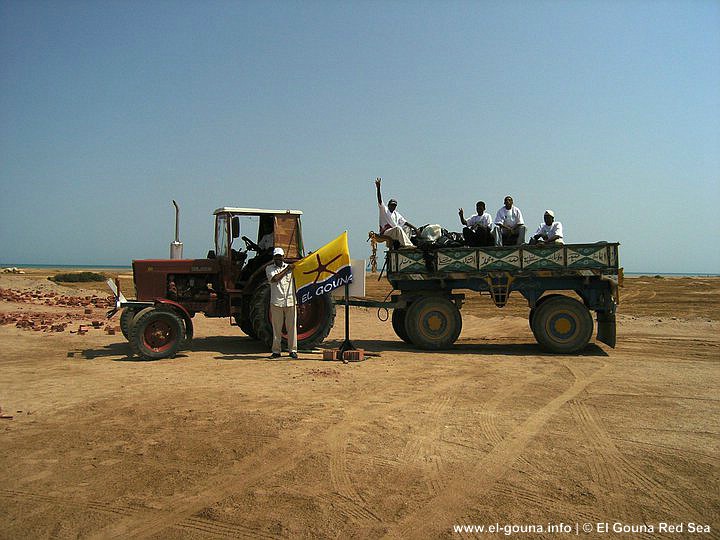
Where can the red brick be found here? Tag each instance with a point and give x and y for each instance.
(354, 356)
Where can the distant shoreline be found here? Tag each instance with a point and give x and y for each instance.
(128, 267)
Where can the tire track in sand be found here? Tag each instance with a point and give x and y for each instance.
(276, 457)
(347, 499)
(439, 513)
(23, 497)
(603, 461)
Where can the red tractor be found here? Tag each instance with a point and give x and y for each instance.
(230, 282)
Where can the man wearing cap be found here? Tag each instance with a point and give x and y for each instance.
(549, 232)
(510, 220)
(282, 303)
(392, 223)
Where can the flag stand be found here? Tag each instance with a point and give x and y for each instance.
(347, 344)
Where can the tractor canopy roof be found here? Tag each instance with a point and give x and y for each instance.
(254, 211)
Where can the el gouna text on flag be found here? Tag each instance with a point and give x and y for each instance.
(324, 270)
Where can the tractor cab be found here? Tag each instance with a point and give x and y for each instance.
(245, 238)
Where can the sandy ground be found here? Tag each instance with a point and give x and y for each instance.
(221, 443)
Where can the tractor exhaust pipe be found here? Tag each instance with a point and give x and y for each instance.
(176, 247)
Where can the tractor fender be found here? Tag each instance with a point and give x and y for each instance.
(180, 309)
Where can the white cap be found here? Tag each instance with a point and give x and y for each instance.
(278, 251)
(550, 213)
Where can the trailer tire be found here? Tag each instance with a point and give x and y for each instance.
(398, 324)
(433, 323)
(562, 325)
(540, 301)
(315, 319)
(156, 334)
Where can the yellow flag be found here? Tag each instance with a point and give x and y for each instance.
(321, 272)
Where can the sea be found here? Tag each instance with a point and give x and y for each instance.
(127, 267)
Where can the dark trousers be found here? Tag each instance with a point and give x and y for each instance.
(479, 238)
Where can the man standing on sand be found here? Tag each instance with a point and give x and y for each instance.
(480, 231)
(510, 220)
(392, 222)
(550, 232)
(282, 303)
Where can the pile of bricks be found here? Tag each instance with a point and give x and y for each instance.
(54, 299)
(40, 322)
(357, 355)
(47, 322)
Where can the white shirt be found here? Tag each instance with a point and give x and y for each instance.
(282, 292)
(509, 218)
(551, 230)
(484, 220)
(389, 220)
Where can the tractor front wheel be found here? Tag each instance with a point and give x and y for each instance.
(156, 334)
(126, 318)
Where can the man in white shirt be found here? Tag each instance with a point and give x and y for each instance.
(510, 220)
(282, 303)
(549, 232)
(392, 223)
(480, 230)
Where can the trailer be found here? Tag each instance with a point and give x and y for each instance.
(562, 283)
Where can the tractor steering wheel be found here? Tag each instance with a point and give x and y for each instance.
(250, 245)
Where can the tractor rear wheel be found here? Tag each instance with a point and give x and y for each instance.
(398, 324)
(433, 322)
(156, 334)
(562, 325)
(315, 319)
(245, 326)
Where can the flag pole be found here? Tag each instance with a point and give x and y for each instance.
(347, 344)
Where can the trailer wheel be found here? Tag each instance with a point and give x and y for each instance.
(398, 324)
(315, 319)
(537, 305)
(562, 325)
(126, 318)
(433, 323)
(156, 334)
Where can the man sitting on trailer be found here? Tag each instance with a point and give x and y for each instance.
(392, 223)
(549, 232)
(510, 220)
(479, 230)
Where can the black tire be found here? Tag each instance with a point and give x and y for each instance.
(562, 325)
(540, 301)
(245, 326)
(135, 318)
(126, 318)
(156, 334)
(433, 323)
(315, 319)
(398, 324)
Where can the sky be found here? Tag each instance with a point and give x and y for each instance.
(607, 112)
